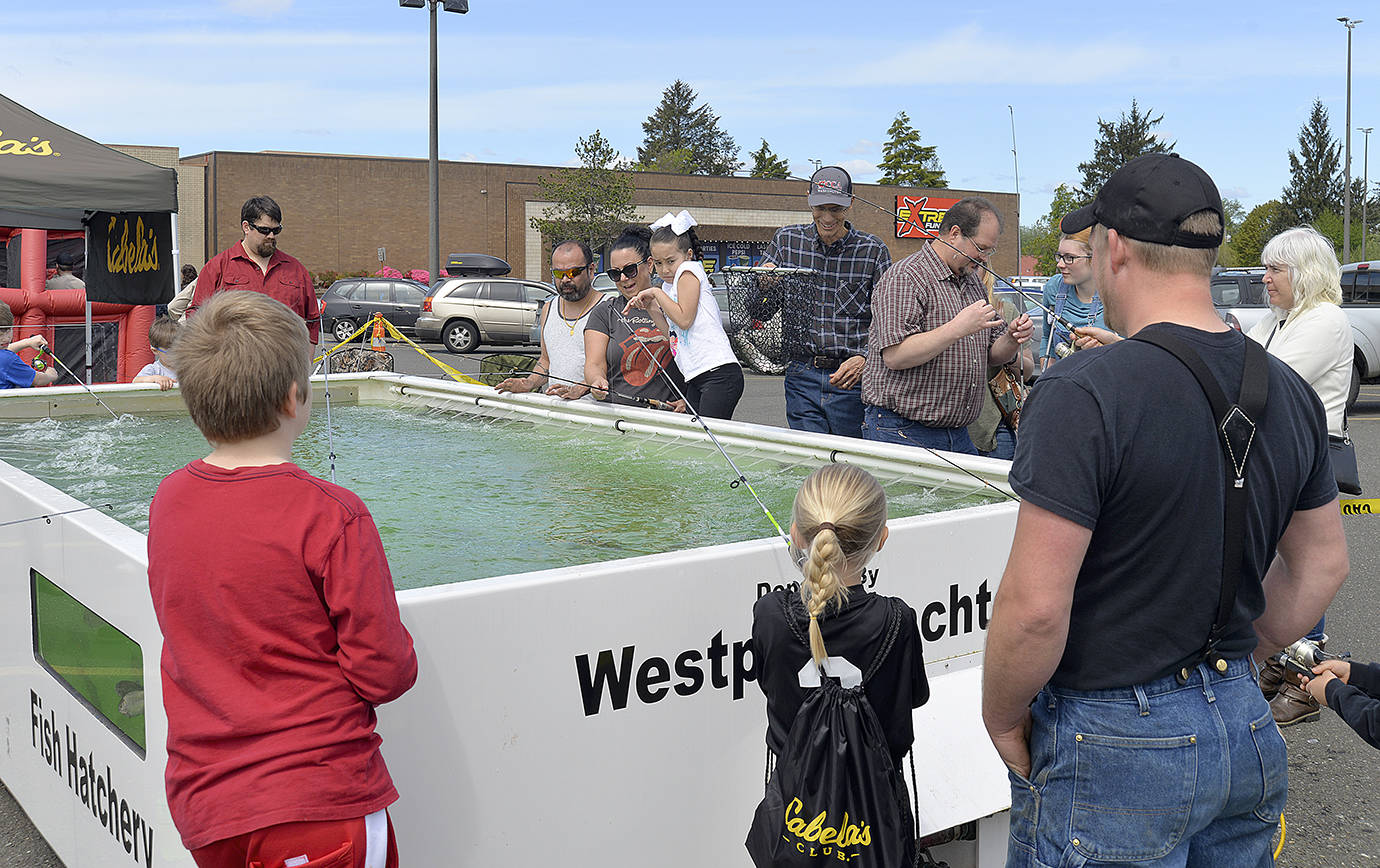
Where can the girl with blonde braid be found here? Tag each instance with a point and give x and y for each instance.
(839, 522)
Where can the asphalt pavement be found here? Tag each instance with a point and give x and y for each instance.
(1333, 816)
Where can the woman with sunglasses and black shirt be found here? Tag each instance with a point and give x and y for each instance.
(619, 348)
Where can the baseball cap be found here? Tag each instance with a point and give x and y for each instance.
(830, 186)
(1148, 198)
(67, 260)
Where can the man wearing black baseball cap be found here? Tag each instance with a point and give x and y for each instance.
(824, 329)
(1118, 663)
(64, 278)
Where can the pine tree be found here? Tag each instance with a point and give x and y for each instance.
(1118, 143)
(765, 164)
(905, 161)
(1041, 240)
(1315, 183)
(592, 202)
(1263, 222)
(678, 125)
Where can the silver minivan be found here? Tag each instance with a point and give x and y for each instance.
(464, 312)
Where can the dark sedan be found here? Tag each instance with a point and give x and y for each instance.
(351, 302)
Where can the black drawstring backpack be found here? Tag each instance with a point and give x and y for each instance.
(836, 797)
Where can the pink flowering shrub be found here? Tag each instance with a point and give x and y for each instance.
(388, 271)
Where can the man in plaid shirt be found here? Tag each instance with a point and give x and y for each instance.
(933, 334)
(825, 331)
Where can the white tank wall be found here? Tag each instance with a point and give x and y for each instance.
(496, 759)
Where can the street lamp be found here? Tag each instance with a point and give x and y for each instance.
(1350, 25)
(433, 164)
(1365, 195)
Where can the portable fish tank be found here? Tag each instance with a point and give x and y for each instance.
(586, 693)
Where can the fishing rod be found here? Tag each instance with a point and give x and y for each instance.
(1037, 301)
(45, 349)
(934, 452)
(695, 414)
(654, 403)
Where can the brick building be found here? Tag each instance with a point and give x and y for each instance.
(340, 210)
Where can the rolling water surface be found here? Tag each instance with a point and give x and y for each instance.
(456, 497)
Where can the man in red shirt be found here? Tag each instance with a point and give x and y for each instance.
(256, 263)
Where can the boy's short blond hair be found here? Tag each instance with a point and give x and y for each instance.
(236, 361)
(163, 332)
(6, 317)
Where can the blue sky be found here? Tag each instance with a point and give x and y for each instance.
(521, 81)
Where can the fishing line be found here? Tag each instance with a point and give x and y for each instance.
(936, 453)
(650, 402)
(49, 516)
(695, 414)
(52, 355)
(330, 438)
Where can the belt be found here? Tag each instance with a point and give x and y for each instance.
(824, 363)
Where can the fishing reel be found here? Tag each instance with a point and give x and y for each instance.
(1300, 657)
(38, 364)
(1063, 349)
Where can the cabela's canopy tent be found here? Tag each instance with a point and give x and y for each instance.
(54, 179)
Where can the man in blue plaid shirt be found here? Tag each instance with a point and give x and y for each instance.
(824, 329)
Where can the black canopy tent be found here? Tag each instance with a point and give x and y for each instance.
(53, 178)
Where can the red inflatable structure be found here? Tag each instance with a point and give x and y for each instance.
(40, 311)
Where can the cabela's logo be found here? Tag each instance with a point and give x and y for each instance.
(32, 148)
(130, 256)
(817, 838)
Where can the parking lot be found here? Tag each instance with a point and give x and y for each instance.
(1333, 815)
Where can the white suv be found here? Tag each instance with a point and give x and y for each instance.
(1241, 292)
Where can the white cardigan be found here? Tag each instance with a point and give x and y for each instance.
(1318, 345)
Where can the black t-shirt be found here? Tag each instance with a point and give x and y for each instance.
(1121, 440)
(854, 632)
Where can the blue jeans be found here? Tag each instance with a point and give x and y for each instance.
(1317, 633)
(812, 404)
(1160, 774)
(1005, 446)
(885, 426)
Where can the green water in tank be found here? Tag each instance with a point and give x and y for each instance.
(459, 497)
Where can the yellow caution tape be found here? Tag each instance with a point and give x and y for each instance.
(1361, 507)
(451, 372)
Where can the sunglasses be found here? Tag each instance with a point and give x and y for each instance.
(628, 271)
(266, 230)
(568, 273)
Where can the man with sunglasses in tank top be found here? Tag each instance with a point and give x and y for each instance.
(255, 263)
(563, 326)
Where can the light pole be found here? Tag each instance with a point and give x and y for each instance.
(1350, 25)
(1365, 195)
(433, 163)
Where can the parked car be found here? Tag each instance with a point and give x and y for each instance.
(352, 301)
(1241, 292)
(464, 312)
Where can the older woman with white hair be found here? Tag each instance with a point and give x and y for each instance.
(1305, 325)
(1306, 328)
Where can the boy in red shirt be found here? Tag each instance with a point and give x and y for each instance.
(280, 623)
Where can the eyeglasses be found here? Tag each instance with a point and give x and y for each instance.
(628, 271)
(266, 230)
(984, 252)
(568, 273)
(1070, 258)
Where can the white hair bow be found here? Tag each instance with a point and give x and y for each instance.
(679, 223)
